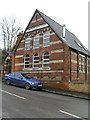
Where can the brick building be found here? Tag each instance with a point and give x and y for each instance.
(0, 62)
(50, 52)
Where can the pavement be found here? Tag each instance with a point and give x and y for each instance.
(67, 93)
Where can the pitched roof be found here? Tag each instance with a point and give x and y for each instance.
(70, 39)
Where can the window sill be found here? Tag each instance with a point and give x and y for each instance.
(26, 50)
(47, 68)
(36, 48)
(46, 46)
(35, 68)
(42, 69)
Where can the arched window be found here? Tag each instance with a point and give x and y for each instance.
(45, 60)
(46, 38)
(27, 42)
(35, 61)
(36, 41)
(26, 61)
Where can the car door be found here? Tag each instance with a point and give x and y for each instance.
(12, 78)
(19, 79)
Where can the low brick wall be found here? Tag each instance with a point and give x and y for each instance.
(83, 87)
(56, 85)
(80, 87)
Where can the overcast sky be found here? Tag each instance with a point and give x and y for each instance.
(73, 13)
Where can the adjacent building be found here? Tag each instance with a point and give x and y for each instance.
(48, 51)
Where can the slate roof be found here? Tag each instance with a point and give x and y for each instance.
(71, 40)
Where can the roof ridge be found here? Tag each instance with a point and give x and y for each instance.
(58, 29)
(49, 17)
(71, 37)
(55, 21)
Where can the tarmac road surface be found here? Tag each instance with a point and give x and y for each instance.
(20, 103)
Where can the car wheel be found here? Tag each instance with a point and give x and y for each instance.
(8, 82)
(27, 86)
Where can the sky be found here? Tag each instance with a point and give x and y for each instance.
(72, 13)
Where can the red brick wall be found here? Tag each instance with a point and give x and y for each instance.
(66, 63)
(74, 65)
(13, 62)
(19, 60)
(88, 73)
(60, 65)
(82, 73)
(38, 20)
(76, 73)
(57, 85)
(19, 68)
(55, 67)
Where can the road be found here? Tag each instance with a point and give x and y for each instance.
(20, 103)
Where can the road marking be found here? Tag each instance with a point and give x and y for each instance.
(71, 114)
(13, 94)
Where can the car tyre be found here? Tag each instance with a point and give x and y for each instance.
(8, 82)
(27, 86)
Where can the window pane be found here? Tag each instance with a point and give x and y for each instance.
(36, 41)
(82, 63)
(27, 43)
(46, 57)
(26, 61)
(46, 60)
(46, 38)
(35, 60)
(35, 66)
(45, 65)
(26, 66)
(36, 45)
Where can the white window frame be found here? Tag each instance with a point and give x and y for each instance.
(88, 65)
(26, 62)
(36, 41)
(45, 61)
(27, 42)
(37, 64)
(46, 39)
(82, 63)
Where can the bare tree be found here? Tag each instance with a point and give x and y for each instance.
(9, 30)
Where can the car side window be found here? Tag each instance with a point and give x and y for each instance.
(12, 74)
(19, 75)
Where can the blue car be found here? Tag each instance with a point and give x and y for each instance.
(21, 79)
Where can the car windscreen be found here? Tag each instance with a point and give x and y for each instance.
(17, 74)
(26, 76)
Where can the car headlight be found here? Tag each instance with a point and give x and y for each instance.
(32, 83)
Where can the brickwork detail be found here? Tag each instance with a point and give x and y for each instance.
(65, 64)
